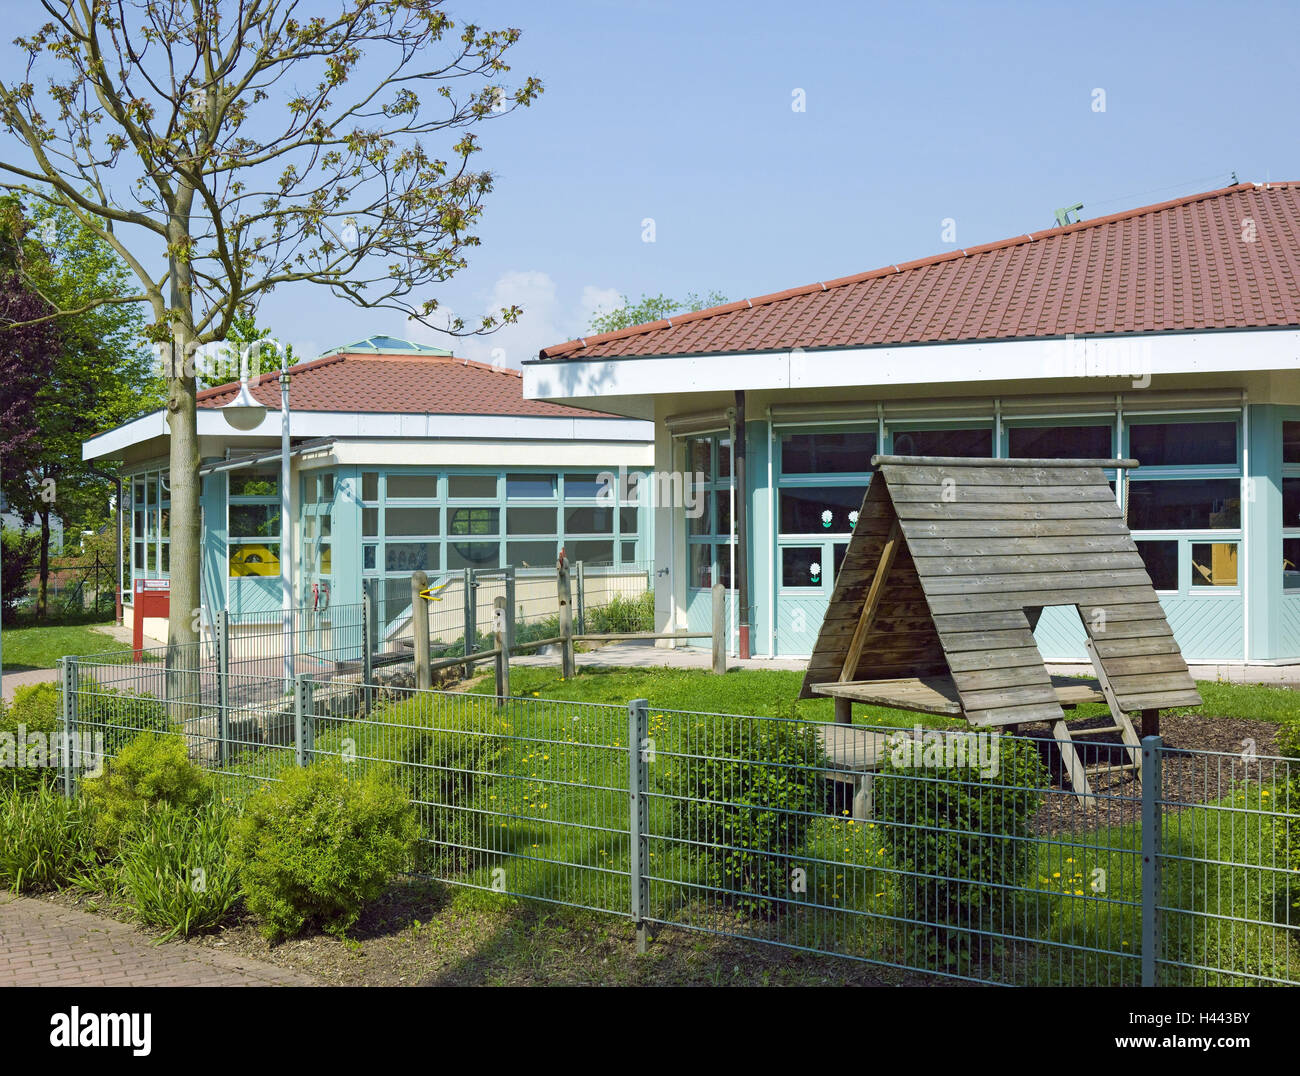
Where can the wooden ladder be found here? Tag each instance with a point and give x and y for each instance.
(1123, 724)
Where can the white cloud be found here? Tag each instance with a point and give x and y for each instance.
(546, 319)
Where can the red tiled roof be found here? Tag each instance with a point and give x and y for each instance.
(1179, 265)
(398, 384)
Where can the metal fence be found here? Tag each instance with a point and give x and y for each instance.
(948, 853)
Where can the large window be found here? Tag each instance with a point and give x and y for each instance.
(1184, 503)
(150, 526)
(1291, 506)
(977, 443)
(822, 480)
(1061, 441)
(253, 523)
(708, 510)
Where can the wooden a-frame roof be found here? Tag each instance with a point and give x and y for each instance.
(949, 566)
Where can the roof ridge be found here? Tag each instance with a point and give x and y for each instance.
(646, 328)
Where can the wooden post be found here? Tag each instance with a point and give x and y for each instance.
(1150, 723)
(501, 631)
(568, 660)
(719, 628)
(843, 710)
(871, 603)
(580, 577)
(420, 630)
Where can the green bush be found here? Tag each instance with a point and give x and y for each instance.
(443, 758)
(46, 840)
(959, 836)
(35, 709)
(152, 770)
(17, 565)
(175, 872)
(748, 790)
(117, 716)
(621, 614)
(1286, 823)
(316, 846)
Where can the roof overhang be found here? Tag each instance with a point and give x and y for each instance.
(629, 386)
(134, 437)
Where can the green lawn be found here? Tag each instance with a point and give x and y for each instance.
(41, 647)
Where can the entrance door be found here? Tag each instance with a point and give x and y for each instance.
(806, 573)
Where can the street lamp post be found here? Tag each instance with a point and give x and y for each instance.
(245, 413)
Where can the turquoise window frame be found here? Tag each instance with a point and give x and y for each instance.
(1191, 473)
(153, 483)
(1292, 471)
(714, 484)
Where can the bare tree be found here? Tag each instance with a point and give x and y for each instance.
(224, 148)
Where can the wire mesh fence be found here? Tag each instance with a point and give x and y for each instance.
(949, 852)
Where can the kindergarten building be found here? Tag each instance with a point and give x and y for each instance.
(1168, 333)
(403, 458)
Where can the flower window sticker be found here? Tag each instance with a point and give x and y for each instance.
(853, 518)
(815, 571)
(827, 517)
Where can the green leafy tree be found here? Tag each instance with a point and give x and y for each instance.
(650, 308)
(224, 150)
(101, 375)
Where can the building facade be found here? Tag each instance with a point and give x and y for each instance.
(1169, 334)
(403, 458)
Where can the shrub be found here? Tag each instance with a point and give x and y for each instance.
(959, 835)
(117, 716)
(35, 709)
(45, 839)
(175, 871)
(319, 844)
(152, 770)
(1286, 823)
(444, 757)
(622, 614)
(749, 789)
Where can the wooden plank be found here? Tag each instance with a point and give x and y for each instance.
(1152, 682)
(1014, 676)
(1073, 766)
(916, 529)
(956, 623)
(1110, 597)
(1159, 700)
(935, 695)
(1021, 695)
(850, 748)
(960, 492)
(1110, 647)
(1127, 732)
(1141, 663)
(1008, 658)
(1122, 613)
(933, 510)
(991, 640)
(870, 604)
(1061, 583)
(990, 563)
(1076, 694)
(1009, 544)
(984, 475)
(1016, 715)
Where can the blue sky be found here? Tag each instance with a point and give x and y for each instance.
(915, 112)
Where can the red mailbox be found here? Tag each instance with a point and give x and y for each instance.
(152, 598)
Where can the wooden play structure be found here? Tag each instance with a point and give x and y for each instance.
(948, 570)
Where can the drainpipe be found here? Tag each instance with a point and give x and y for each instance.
(741, 523)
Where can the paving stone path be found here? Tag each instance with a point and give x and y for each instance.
(42, 944)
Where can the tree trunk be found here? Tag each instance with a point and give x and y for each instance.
(43, 591)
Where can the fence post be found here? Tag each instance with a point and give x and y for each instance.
(367, 657)
(719, 628)
(638, 778)
(471, 619)
(501, 632)
(223, 687)
(1152, 822)
(65, 719)
(564, 590)
(302, 719)
(420, 630)
(581, 579)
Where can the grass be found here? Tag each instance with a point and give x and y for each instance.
(40, 647)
